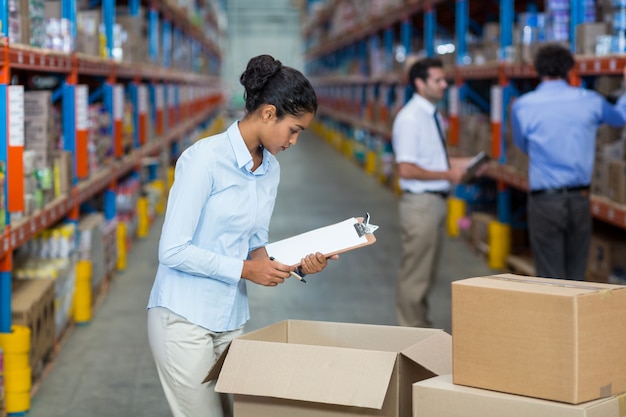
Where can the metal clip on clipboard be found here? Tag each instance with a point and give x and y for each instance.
(365, 228)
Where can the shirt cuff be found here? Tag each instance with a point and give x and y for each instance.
(230, 269)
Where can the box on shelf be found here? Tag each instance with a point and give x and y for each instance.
(554, 339)
(587, 36)
(607, 84)
(135, 46)
(439, 397)
(88, 32)
(308, 368)
(32, 305)
(62, 170)
(600, 177)
(616, 181)
(479, 230)
(607, 256)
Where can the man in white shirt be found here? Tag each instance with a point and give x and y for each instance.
(425, 176)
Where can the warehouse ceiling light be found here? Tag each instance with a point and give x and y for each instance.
(446, 48)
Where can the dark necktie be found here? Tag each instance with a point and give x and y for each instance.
(443, 141)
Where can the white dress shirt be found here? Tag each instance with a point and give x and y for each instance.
(218, 211)
(416, 140)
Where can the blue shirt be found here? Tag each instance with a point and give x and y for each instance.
(218, 211)
(556, 126)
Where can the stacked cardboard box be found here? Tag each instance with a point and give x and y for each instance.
(89, 39)
(440, 397)
(305, 369)
(33, 305)
(475, 135)
(532, 346)
(41, 132)
(135, 45)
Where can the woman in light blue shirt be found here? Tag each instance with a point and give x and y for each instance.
(215, 231)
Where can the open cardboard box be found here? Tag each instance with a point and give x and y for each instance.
(439, 397)
(554, 339)
(308, 368)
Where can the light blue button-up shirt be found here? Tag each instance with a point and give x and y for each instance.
(556, 125)
(218, 211)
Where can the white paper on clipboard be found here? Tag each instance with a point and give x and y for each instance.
(329, 240)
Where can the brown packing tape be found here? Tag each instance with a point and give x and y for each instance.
(606, 390)
(621, 401)
(607, 291)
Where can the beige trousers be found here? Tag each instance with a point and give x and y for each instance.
(184, 353)
(422, 220)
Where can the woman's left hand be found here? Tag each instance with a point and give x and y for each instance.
(315, 263)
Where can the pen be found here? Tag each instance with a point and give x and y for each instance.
(293, 273)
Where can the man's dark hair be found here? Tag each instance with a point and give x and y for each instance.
(553, 60)
(421, 67)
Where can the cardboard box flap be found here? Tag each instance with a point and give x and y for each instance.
(215, 370)
(434, 353)
(275, 333)
(356, 336)
(339, 376)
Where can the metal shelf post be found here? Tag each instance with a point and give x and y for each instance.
(462, 25)
(406, 35)
(507, 12)
(430, 25)
(576, 17)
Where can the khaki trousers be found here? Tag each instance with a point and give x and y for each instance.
(422, 220)
(184, 353)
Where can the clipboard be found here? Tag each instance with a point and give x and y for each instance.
(350, 234)
(475, 164)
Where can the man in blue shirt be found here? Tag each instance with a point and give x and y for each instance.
(556, 126)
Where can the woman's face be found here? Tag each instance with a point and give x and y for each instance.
(280, 134)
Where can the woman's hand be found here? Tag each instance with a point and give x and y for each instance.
(265, 271)
(315, 263)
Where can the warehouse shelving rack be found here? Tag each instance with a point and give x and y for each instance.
(185, 100)
(346, 99)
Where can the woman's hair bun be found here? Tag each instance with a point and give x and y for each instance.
(259, 70)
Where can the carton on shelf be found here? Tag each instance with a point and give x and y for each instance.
(607, 255)
(554, 339)
(616, 181)
(307, 368)
(439, 397)
(587, 36)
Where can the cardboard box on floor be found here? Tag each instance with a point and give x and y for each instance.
(554, 339)
(308, 368)
(439, 397)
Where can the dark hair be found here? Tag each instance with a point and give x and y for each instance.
(553, 60)
(421, 69)
(267, 81)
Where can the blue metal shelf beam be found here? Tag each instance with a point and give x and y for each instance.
(430, 25)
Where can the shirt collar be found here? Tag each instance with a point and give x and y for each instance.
(552, 84)
(242, 154)
(424, 104)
